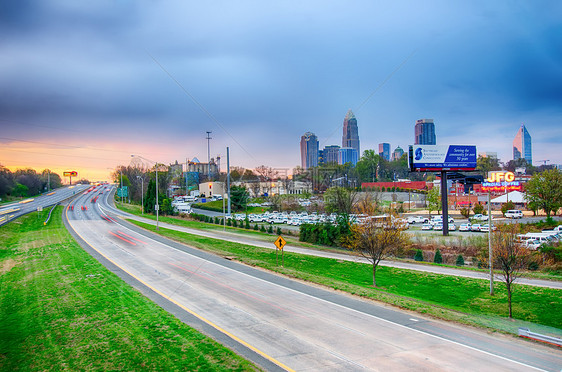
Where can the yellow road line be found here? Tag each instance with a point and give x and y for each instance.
(200, 317)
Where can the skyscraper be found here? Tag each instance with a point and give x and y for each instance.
(397, 154)
(384, 151)
(425, 132)
(348, 155)
(309, 150)
(522, 145)
(350, 136)
(331, 154)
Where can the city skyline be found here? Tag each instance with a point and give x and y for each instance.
(86, 85)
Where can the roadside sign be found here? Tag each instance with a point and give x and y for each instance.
(39, 209)
(280, 243)
(442, 158)
(156, 207)
(123, 191)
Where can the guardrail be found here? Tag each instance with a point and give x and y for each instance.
(526, 332)
(51, 211)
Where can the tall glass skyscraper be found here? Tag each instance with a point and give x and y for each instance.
(350, 136)
(331, 154)
(384, 151)
(425, 132)
(522, 145)
(309, 150)
(348, 155)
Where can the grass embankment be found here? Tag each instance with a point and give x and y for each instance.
(62, 310)
(217, 206)
(452, 298)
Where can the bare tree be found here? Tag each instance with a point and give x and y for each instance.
(375, 237)
(509, 256)
(340, 200)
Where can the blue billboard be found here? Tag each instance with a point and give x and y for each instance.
(438, 158)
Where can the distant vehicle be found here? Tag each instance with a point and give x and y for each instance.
(479, 217)
(427, 226)
(217, 197)
(532, 244)
(194, 193)
(465, 227)
(452, 227)
(475, 227)
(437, 219)
(417, 219)
(438, 226)
(513, 213)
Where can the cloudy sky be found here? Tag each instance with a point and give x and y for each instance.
(83, 85)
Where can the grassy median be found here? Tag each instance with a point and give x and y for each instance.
(62, 310)
(453, 298)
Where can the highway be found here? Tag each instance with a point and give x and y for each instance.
(282, 324)
(12, 211)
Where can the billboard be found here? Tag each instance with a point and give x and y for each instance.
(501, 181)
(70, 174)
(442, 158)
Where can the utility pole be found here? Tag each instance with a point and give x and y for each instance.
(490, 255)
(209, 155)
(228, 177)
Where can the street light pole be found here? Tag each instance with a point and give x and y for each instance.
(142, 194)
(121, 170)
(156, 207)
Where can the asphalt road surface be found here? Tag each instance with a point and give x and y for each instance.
(283, 324)
(12, 211)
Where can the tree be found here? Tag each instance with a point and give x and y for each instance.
(433, 200)
(545, 190)
(509, 256)
(339, 200)
(20, 190)
(485, 164)
(438, 257)
(460, 260)
(376, 238)
(479, 209)
(30, 179)
(419, 255)
(238, 197)
(7, 182)
(507, 206)
(368, 166)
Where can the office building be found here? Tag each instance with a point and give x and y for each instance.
(522, 145)
(309, 150)
(350, 136)
(384, 151)
(330, 154)
(348, 155)
(489, 154)
(425, 132)
(397, 154)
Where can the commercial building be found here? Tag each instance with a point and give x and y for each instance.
(348, 155)
(350, 136)
(425, 132)
(489, 154)
(522, 145)
(384, 151)
(309, 150)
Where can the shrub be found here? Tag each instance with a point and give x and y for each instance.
(533, 266)
(465, 212)
(278, 231)
(247, 223)
(229, 222)
(262, 229)
(478, 208)
(419, 255)
(234, 223)
(270, 229)
(438, 258)
(460, 260)
(507, 206)
(256, 227)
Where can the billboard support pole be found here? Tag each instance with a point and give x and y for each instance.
(444, 203)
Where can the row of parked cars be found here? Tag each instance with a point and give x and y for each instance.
(535, 240)
(292, 218)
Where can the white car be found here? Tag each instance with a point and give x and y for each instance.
(475, 227)
(427, 226)
(513, 213)
(438, 226)
(465, 227)
(417, 219)
(479, 217)
(532, 244)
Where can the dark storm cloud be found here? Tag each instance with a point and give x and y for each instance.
(269, 72)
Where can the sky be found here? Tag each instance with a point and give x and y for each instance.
(84, 85)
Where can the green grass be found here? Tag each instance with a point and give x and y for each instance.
(448, 297)
(217, 206)
(62, 310)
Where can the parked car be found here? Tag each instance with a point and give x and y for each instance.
(479, 217)
(438, 226)
(513, 213)
(427, 226)
(533, 244)
(465, 227)
(475, 227)
(452, 227)
(417, 219)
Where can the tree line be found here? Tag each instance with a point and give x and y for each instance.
(27, 182)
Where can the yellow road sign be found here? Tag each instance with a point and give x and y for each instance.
(280, 243)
